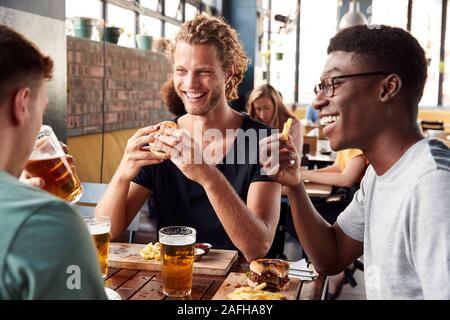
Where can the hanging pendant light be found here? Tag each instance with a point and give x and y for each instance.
(352, 18)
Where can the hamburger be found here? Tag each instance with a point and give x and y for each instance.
(162, 127)
(273, 272)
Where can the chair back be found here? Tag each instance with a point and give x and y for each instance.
(92, 194)
(311, 141)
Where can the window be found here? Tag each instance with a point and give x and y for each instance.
(172, 9)
(282, 51)
(125, 19)
(446, 82)
(315, 34)
(150, 4)
(150, 26)
(84, 8)
(392, 13)
(190, 11)
(171, 31)
(426, 27)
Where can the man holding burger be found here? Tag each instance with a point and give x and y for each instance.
(230, 203)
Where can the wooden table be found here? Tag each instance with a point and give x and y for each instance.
(146, 285)
(320, 160)
(314, 190)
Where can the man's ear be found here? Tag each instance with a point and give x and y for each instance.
(20, 103)
(391, 87)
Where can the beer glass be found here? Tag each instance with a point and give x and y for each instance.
(177, 255)
(48, 161)
(99, 228)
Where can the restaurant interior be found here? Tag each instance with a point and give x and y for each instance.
(110, 67)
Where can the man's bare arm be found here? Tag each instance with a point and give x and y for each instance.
(328, 247)
(250, 227)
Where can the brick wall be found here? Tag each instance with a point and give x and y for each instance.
(133, 79)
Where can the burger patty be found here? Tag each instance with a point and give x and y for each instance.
(269, 278)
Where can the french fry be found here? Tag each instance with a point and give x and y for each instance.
(151, 251)
(249, 293)
(260, 286)
(286, 128)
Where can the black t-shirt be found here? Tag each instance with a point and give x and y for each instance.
(181, 201)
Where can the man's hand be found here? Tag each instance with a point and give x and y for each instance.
(38, 182)
(185, 153)
(280, 160)
(137, 155)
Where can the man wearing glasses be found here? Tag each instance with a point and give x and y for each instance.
(367, 99)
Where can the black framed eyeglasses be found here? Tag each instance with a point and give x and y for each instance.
(327, 85)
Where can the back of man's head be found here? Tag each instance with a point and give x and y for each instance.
(21, 63)
(389, 49)
(214, 31)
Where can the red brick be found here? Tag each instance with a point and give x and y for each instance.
(96, 71)
(122, 95)
(133, 82)
(111, 117)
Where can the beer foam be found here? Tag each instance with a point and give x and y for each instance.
(98, 229)
(177, 240)
(39, 156)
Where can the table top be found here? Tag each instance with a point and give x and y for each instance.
(133, 284)
(314, 190)
(319, 157)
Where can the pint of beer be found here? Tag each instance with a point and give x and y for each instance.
(177, 255)
(48, 162)
(99, 228)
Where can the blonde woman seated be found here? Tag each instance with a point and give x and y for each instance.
(265, 104)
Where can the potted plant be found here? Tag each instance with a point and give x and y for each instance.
(82, 26)
(144, 41)
(279, 55)
(109, 33)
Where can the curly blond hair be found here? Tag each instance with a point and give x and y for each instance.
(215, 31)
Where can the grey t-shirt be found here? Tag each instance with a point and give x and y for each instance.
(403, 217)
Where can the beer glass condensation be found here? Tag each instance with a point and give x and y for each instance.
(48, 161)
(177, 254)
(99, 228)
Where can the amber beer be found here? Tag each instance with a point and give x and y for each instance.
(48, 161)
(177, 254)
(59, 179)
(99, 228)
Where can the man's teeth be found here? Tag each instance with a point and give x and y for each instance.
(194, 95)
(328, 119)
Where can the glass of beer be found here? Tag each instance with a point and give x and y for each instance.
(99, 228)
(48, 161)
(177, 254)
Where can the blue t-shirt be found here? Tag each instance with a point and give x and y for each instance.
(312, 114)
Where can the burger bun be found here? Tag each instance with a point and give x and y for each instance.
(162, 127)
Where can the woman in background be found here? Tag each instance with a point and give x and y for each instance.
(265, 104)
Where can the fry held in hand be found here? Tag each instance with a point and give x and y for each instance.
(151, 251)
(286, 128)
